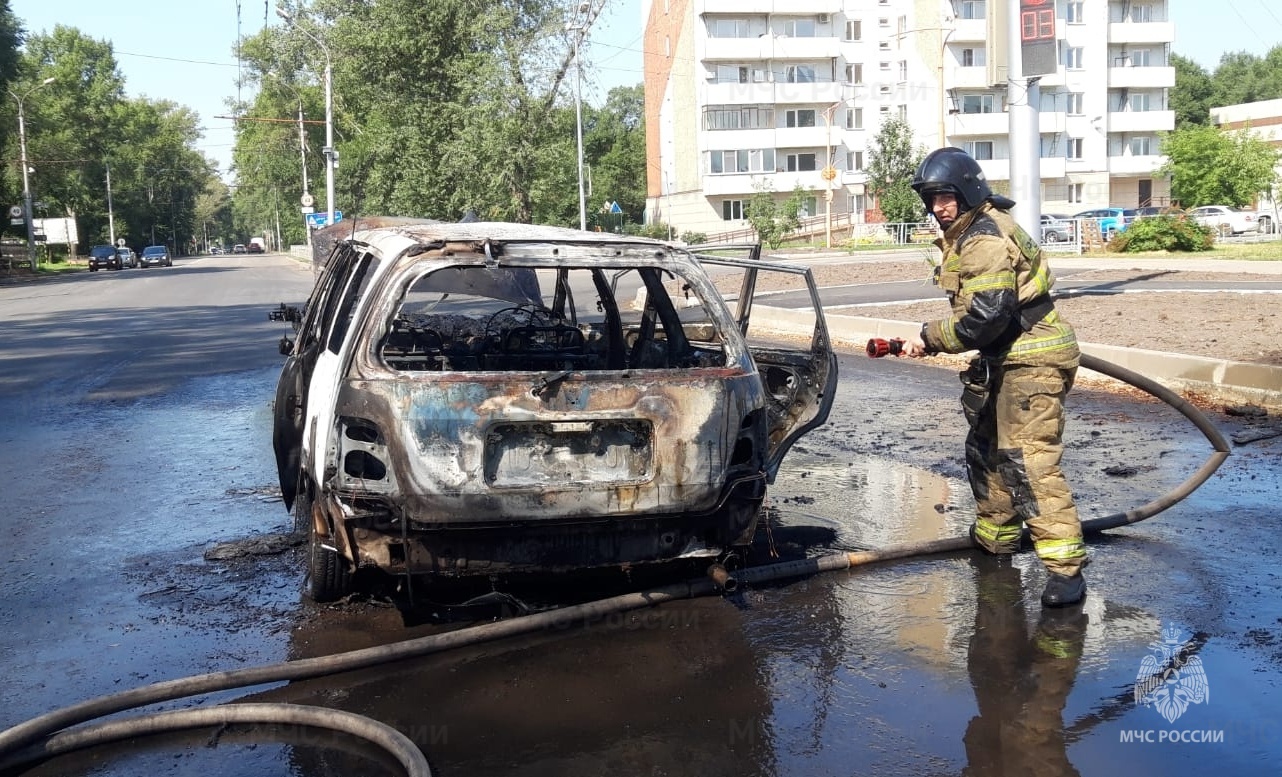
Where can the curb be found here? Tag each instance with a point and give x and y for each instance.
(1220, 380)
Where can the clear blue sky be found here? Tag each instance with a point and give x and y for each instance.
(185, 50)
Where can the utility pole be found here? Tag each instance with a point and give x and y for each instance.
(579, 28)
(1030, 37)
(111, 216)
(26, 183)
(331, 156)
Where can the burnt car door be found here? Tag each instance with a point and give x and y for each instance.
(799, 382)
(292, 401)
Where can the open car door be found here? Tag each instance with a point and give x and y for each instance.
(800, 382)
(289, 414)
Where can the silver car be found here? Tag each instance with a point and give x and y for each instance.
(486, 398)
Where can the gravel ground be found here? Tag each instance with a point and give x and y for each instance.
(1220, 324)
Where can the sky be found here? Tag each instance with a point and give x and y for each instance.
(185, 50)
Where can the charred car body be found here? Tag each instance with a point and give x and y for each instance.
(489, 398)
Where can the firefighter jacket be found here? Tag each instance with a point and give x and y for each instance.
(998, 284)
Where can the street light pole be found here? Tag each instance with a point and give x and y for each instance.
(578, 27)
(26, 182)
(328, 151)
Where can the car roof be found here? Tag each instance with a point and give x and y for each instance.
(391, 240)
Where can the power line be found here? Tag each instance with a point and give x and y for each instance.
(1270, 12)
(177, 59)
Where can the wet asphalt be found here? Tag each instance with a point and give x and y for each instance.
(136, 439)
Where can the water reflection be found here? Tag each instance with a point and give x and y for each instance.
(1021, 677)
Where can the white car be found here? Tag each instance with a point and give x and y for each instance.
(1226, 220)
(478, 399)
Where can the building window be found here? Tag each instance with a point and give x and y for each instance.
(1141, 146)
(743, 160)
(857, 204)
(729, 28)
(800, 74)
(731, 117)
(1140, 58)
(978, 103)
(855, 161)
(884, 67)
(884, 89)
(974, 57)
(980, 149)
(1073, 150)
(800, 118)
(1075, 193)
(884, 111)
(731, 210)
(854, 118)
(972, 9)
(1073, 13)
(883, 45)
(883, 23)
(854, 29)
(1073, 104)
(1141, 102)
(800, 163)
(903, 70)
(902, 112)
(1073, 58)
(809, 207)
(855, 73)
(1141, 14)
(800, 28)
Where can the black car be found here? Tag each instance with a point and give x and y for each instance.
(104, 256)
(155, 255)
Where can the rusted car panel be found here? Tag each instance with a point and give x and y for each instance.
(480, 398)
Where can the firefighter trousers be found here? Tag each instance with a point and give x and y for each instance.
(1013, 451)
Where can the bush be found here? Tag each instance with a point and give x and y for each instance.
(1163, 233)
(694, 238)
(658, 230)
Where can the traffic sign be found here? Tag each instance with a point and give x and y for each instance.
(307, 200)
(318, 220)
(15, 212)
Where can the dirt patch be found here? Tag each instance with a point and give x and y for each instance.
(1240, 326)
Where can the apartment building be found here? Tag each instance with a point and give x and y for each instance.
(750, 94)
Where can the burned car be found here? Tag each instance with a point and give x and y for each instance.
(491, 398)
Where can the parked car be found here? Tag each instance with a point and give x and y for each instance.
(1110, 220)
(254, 248)
(239, 248)
(101, 256)
(1149, 211)
(156, 255)
(478, 399)
(127, 257)
(1058, 228)
(1226, 220)
(215, 250)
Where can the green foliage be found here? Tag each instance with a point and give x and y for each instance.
(1163, 233)
(893, 158)
(656, 230)
(1210, 166)
(1242, 77)
(1193, 95)
(694, 238)
(773, 220)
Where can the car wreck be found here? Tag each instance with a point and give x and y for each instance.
(492, 398)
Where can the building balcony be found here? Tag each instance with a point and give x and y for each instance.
(968, 78)
(1051, 167)
(969, 31)
(1141, 121)
(995, 169)
(745, 185)
(1141, 32)
(772, 6)
(1141, 77)
(803, 137)
(769, 47)
(820, 93)
(974, 124)
(853, 177)
(1129, 164)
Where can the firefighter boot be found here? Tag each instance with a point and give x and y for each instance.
(1063, 590)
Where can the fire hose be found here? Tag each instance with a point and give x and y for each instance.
(50, 734)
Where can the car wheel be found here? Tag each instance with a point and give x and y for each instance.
(328, 576)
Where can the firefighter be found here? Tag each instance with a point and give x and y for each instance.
(998, 285)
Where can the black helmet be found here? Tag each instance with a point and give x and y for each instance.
(951, 170)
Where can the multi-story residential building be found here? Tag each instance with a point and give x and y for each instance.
(746, 94)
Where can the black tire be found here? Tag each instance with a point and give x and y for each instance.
(329, 576)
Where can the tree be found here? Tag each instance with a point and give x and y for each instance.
(774, 220)
(10, 59)
(614, 149)
(1242, 77)
(1210, 166)
(892, 161)
(1193, 95)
